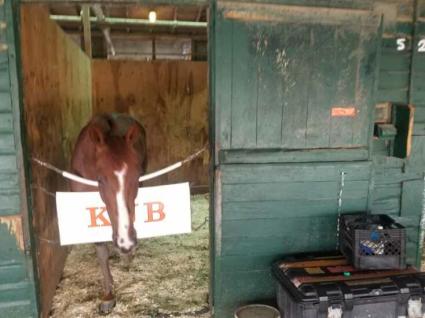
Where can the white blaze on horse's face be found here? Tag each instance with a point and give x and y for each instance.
(123, 241)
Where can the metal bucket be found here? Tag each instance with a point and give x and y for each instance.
(257, 311)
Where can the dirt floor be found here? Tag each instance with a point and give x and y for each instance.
(167, 278)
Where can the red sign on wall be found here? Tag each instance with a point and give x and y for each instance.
(344, 112)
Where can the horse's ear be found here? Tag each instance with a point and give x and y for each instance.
(132, 134)
(97, 136)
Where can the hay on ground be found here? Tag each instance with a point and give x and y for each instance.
(168, 276)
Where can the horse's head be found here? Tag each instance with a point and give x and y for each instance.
(118, 168)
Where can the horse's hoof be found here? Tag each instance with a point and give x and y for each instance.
(106, 306)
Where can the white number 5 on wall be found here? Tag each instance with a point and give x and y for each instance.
(401, 44)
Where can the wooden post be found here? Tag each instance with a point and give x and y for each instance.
(87, 29)
(153, 49)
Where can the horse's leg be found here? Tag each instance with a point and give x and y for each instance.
(108, 298)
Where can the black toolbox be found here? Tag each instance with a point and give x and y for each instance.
(372, 241)
(329, 287)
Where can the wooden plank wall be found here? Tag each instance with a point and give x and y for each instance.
(268, 98)
(266, 213)
(17, 289)
(271, 210)
(170, 99)
(57, 103)
(283, 81)
(417, 94)
(398, 184)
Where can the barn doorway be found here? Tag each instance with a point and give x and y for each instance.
(146, 61)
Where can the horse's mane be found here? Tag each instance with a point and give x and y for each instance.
(113, 124)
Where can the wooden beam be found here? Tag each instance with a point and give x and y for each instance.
(112, 21)
(137, 35)
(87, 29)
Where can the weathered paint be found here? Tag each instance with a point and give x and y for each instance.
(280, 75)
(17, 285)
(14, 225)
(276, 200)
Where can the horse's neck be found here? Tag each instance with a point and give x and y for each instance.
(84, 157)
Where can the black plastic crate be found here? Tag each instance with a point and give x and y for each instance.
(384, 296)
(372, 241)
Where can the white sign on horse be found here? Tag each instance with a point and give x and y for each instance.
(161, 210)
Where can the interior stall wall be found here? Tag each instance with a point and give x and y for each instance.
(57, 103)
(170, 99)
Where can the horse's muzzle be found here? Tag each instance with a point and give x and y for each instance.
(126, 245)
(128, 249)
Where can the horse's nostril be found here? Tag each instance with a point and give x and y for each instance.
(126, 250)
(121, 241)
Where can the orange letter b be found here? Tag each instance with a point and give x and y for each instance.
(155, 212)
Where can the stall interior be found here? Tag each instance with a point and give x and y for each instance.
(81, 60)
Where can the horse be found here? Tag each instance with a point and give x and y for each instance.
(111, 149)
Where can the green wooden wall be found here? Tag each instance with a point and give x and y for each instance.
(17, 287)
(398, 185)
(277, 70)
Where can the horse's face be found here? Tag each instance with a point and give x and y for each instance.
(118, 169)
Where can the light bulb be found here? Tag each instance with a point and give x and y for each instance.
(152, 16)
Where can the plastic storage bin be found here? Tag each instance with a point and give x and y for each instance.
(372, 241)
(332, 291)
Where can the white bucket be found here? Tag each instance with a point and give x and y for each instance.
(257, 311)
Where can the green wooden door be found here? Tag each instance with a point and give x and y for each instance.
(293, 95)
(294, 78)
(17, 288)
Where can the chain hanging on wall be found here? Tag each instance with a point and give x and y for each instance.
(340, 192)
(422, 222)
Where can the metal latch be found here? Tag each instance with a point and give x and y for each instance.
(414, 308)
(386, 131)
(334, 312)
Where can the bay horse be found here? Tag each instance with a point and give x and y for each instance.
(111, 149)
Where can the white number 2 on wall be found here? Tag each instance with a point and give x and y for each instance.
(421, 45)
